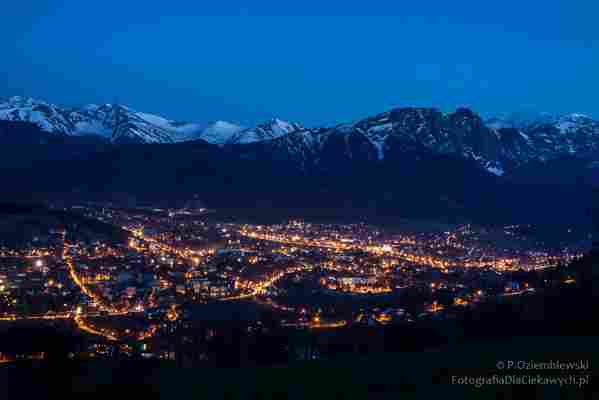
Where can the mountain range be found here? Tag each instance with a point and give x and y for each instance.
(120, 124)
(406, 158)
(497, 144)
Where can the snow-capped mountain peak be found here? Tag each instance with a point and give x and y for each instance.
(498, 145)
(572, 122)
(122, 124)
(117, 123)
(280, 127)
(47, 116)
(220, 132)
(269, 130)
(524, 119)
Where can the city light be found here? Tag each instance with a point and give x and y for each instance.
(119, 291)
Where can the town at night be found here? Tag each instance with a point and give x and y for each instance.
(166, 268)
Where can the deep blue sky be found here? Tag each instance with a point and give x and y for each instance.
(316, 61)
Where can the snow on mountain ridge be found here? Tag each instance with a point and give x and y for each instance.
(47, 116)
(269, 130)
(220, 132)
(496, 144)
(112, 122)
(119, 123)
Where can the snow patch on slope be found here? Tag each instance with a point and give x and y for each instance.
(495, 170)
(269, 130)
(220, 132)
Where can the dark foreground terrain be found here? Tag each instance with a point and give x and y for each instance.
(408, 375)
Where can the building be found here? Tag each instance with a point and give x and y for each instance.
(200, 286)
(130, 291)
(219, 290)
(180, 289)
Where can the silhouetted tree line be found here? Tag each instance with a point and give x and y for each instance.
(20, 221)
(55, 342)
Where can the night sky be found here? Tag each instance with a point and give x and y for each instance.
(317, 62)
